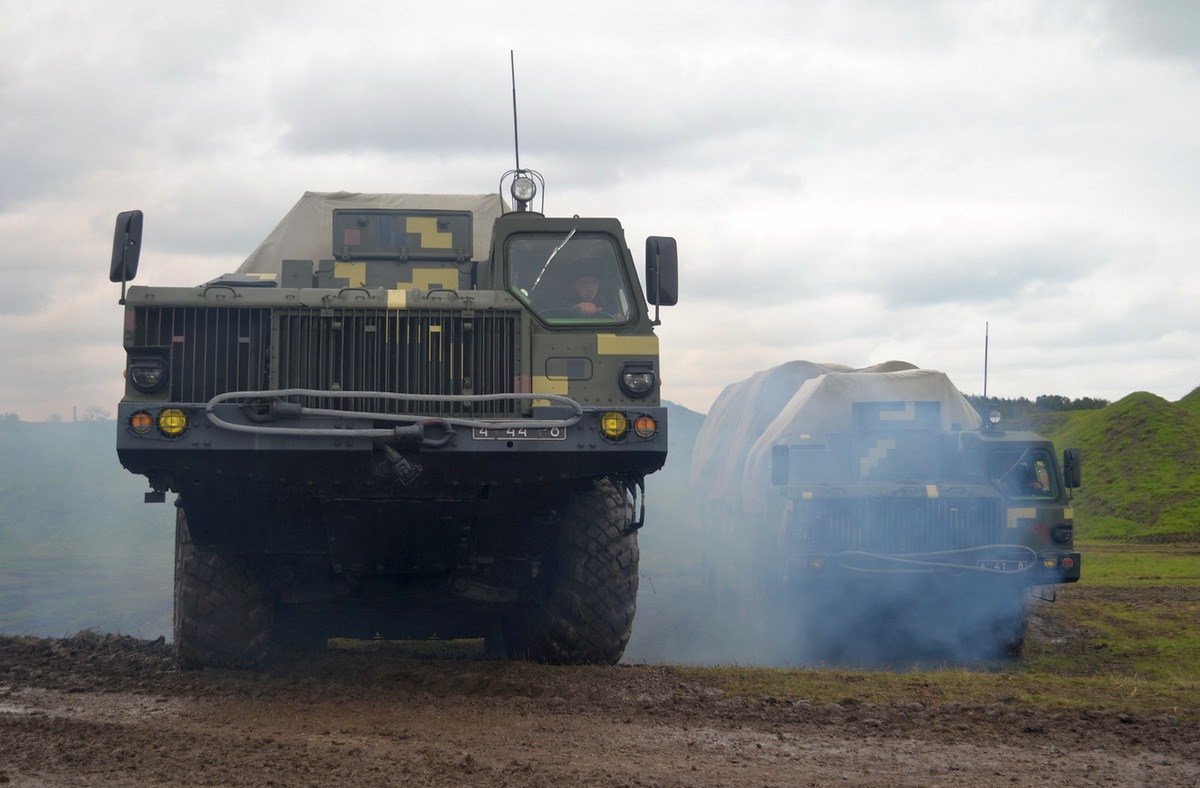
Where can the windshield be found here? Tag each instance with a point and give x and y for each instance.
(1024, 473)
(569, 278)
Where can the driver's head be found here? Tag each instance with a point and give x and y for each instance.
(587, 286)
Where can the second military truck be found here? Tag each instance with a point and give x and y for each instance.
(404, 416)
(872, 515)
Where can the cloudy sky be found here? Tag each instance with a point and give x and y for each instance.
(848, 181)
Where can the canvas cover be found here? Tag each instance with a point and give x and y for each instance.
(731, 461)
(737, 418)
(306, 232)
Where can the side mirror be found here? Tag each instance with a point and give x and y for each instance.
(781, 460)
(127, 247)
(662, 271)
(1071, 475)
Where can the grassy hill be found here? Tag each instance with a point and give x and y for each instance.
(1141, 467)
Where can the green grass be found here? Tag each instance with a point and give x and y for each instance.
(1141, 467)
(1111, 692)
(1134, 565)
(1125, 639)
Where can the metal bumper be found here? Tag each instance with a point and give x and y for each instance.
(413, 459)
(1012, 564)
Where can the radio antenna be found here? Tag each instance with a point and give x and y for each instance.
(985, 359)
(524, 186)
(512, 63)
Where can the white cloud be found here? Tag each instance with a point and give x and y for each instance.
(848, 181)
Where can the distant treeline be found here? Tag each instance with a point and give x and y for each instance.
(92, 413)
(1019, 409)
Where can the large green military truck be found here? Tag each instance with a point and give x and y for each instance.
(880, 512)
(404, 416)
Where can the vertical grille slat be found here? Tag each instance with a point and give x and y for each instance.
(897, 527)
(211, 350)
(427, 352)
(214, 350)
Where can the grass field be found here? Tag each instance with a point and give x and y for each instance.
(1125, 639)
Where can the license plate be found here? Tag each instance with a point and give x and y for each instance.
(519, 434)
(1003, 566)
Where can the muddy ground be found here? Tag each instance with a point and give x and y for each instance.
(112, 710)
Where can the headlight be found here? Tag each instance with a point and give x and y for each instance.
(523, 188)
(637, 381)
(172, 422)
(614, 425)
(148, 375)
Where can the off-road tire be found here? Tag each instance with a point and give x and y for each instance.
(584, 614)
(1012, 636)
(222, 611)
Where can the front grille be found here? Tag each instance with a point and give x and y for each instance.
(211, 350)
(431, 352)
(214, 350)
(895, 526)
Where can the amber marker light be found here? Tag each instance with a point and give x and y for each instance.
(141, 422)
(645, 426)
(172, 422)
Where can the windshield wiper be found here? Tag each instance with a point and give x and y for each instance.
(546, 265)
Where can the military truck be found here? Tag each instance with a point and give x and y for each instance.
(876, 514)
(397, 420)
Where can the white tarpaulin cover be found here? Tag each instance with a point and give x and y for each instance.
(306, 233)
(731, 462)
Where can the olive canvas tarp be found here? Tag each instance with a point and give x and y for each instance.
(306, 232)
(731, 464)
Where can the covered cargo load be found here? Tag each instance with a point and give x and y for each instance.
(848, 504)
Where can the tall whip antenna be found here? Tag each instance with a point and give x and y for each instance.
(985, 358)
(524, 185)
(512, 63)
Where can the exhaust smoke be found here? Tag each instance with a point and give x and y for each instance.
(843, 517)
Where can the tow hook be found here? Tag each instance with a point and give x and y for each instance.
(415, 433)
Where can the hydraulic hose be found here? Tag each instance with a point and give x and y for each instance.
(446, 423)
(924, 562)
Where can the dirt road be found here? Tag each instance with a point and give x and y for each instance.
(109, 710)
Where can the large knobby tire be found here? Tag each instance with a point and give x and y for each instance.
(589, 584)
(222, 611)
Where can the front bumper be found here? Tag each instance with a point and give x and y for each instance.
(1013, 564)
(372, 458)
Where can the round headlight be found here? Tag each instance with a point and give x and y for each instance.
(614, 425)
(523, 188)
(148, 375)
(172, 422)
(637, 382)
(994, 417)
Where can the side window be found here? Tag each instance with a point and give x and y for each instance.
(569, 280)
(1023, 473)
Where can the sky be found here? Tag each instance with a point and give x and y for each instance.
(848, 181)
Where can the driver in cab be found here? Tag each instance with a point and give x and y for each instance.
(588, 296)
